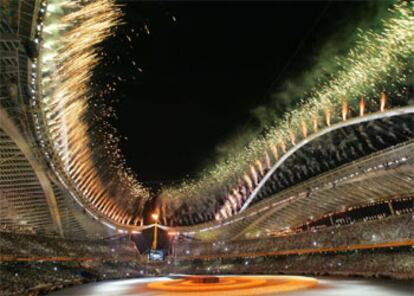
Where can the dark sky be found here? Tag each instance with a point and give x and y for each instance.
(190, 81)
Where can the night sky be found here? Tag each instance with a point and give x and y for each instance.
(186, 75)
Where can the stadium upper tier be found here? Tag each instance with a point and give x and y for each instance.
(386, 232)
(383, 175)
(32, 198)
(322, 152)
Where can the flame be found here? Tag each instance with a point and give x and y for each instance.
(304, 128)
(248, 181)
(361, 107)
(274, 151)
(292, 137)
(283, 145)
(315, 122)
(254, 174)
(328, 117)
(267, 160)
(383, 101)
(260, 167)
(345, 109)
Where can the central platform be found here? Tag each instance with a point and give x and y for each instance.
(232, 285)
(273, 286)
(202, 279)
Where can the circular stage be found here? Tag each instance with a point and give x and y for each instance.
(242, 286)
(233, 285)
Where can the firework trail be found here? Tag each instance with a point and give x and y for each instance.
(69, 53)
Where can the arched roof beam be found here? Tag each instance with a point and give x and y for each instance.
(349, 122)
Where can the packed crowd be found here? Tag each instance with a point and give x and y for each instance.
(391, 229)
(27, 245)
(387, 262)
(34, 265)
(38, 278)
(14, 228)
(367, 212)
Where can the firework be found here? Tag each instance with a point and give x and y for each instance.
(69, 53)
(379, 63)
(84, 147)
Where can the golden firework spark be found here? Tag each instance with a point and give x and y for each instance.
(72, 31)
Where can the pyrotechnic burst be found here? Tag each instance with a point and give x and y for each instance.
(88, 158)
(377, 66)
(97, 173)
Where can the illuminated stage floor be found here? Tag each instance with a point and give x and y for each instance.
(245, 285)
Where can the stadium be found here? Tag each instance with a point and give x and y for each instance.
(320, 202)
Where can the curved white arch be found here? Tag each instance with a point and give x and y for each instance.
(326, 130)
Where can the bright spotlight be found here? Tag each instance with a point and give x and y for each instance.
(155, 217)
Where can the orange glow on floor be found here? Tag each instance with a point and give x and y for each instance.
(235, 285)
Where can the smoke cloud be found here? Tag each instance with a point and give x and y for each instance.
(292, 86)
